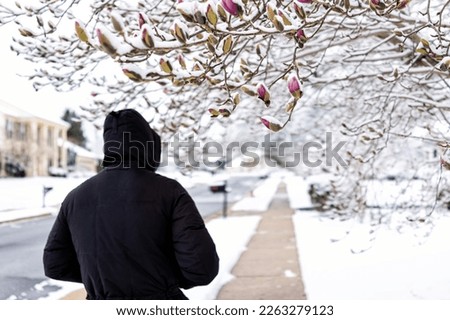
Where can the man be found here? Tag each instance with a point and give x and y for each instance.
(129, 233)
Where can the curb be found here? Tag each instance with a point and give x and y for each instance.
(24, 218)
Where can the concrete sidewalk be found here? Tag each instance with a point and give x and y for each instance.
(269, 269)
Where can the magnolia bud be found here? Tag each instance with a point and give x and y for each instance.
(133, 75)
(231, 7)
(446, 62)
(26, 32)
(300, 36)
(165, 65)
(225, 112)
(147, 36)
(142, 19)
(211, 15)
(214, 112)
(272, 123)
(236, 99)
(263, 93)
(178, 30)
(299, 11)
(248, 91)
(222, 13)
(117, 23)
(403, 3)
(285, 17)
(105, 42)
(81, 31)
(270, 11)
(278, 23)
(227, 43)
(294, 87)
(181, 61)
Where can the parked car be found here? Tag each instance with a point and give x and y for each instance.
(14, 169)
(57, 172)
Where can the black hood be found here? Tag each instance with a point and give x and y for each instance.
(130, 142)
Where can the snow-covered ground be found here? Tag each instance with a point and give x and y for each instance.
(261, 196)
(26, 193)
(344, 260)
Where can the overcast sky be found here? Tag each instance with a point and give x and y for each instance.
(19, 91)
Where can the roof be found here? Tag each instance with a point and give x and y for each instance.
(11, 110)
(82, 152)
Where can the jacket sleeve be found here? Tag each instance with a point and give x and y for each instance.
(195, 250)
(60, 259)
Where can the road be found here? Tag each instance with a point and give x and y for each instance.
(21, 243)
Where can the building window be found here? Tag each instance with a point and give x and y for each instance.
(22, 131)
(50, 137)
(39, 135)
(9, 127)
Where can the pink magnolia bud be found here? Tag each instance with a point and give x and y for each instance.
(147, 36)
(105, 42)
(225, 112)
(403, 4)
(300, 35)
(375, 2)
(294, 87)
(263, 93)
(142, 19)
(231, 7)
(304, 1)
(272, 123)
(214, 112)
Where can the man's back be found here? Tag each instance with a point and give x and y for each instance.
(129, 233)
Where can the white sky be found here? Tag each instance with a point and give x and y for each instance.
(19, 91)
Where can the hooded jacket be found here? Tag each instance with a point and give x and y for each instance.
(129, 233)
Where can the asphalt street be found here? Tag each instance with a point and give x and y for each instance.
(21, 243)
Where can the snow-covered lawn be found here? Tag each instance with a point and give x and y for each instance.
(394, 267)
(26, 193)
(346, 260)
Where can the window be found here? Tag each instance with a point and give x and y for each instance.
(39, 135)
(9, 127)
(22, 131)
(50, 137)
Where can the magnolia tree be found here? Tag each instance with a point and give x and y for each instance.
(375, 72)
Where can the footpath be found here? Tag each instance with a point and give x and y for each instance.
(269, 269)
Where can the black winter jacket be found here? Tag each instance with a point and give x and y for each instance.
(129, 233)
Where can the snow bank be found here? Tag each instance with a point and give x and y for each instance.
(389, 266)
(231, 236)
(13, 215)
(25, 193)
(297, 190)
(261, 196)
